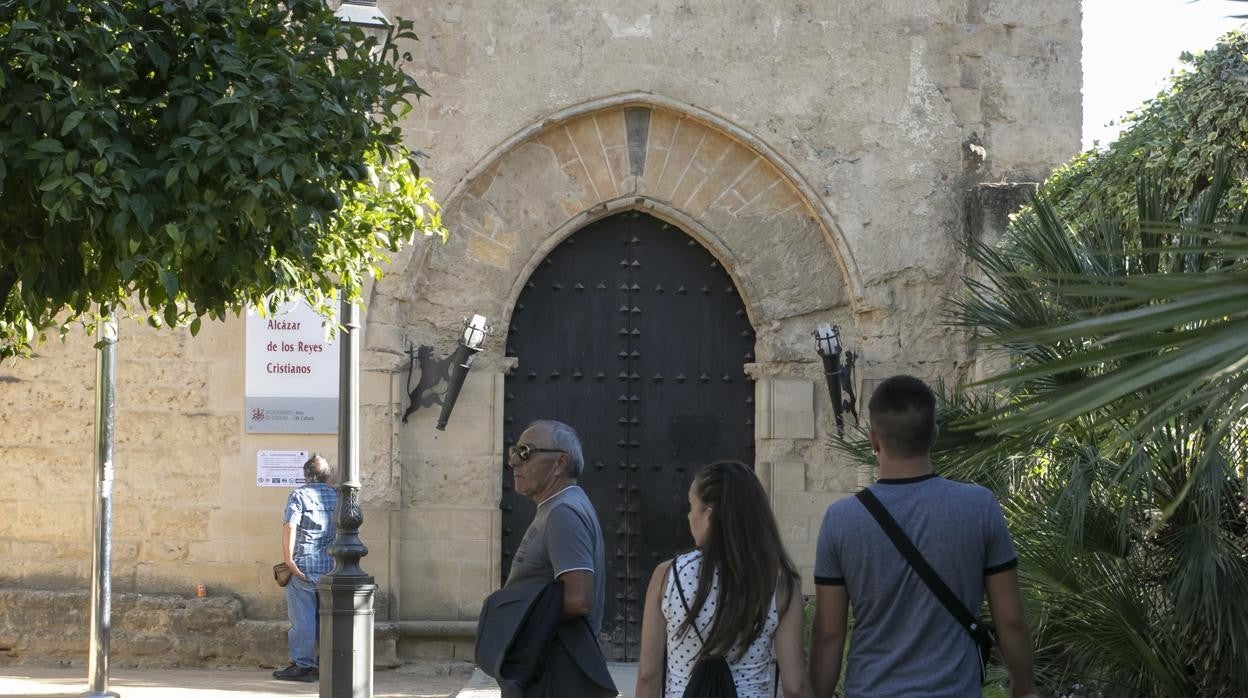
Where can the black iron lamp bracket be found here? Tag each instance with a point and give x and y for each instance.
(434, 374)
(450, 371)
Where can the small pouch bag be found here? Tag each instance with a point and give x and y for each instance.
(281, 574)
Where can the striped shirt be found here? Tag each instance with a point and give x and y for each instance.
(312, 509)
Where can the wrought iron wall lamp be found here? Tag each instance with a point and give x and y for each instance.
(452, 370)
(840, 377)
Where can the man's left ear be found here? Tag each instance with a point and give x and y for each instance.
(935, 435)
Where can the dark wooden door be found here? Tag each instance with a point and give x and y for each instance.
(631, 332)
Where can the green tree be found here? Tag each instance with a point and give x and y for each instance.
(1118, 437)
(191, 158)
(1121, 297)
(1200, 118)
(1125, 421)
(1105, 315)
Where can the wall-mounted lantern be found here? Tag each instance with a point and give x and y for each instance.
(470, 341)
(364, 14)
(451, 370)
(840, 377)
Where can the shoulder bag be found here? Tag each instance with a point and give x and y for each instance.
(982, 632)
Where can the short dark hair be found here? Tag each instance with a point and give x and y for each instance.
(903, 416)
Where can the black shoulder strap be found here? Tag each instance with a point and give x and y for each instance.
(920, 566)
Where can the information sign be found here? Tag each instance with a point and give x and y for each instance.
(280, 468)
(292, 373)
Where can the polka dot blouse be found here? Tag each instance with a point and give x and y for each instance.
(753, 674)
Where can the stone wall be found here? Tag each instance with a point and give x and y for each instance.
(38, 626)
(186, 506)
(821, 151)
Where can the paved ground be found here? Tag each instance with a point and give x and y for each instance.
(482, 686)
(420, 680)
(423, 680)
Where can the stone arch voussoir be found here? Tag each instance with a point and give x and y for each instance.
(716, 181)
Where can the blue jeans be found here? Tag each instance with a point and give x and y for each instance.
(301, 607)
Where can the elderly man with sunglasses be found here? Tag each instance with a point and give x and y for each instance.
(537, 636)
(564, 542)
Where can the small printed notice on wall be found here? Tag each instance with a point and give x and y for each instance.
(280, 468)
(292, 373)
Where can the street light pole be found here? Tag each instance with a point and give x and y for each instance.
(102, 562)
(346, 593)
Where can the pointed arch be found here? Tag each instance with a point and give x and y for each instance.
(713, 179)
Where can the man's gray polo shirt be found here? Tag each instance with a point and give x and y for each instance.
(563, 537)
(904, 642)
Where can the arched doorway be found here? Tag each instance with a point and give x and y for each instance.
(634, 334)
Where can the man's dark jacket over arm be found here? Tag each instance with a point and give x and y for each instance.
(522, 644)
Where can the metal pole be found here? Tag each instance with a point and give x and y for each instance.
(102, 562)
(346, 593)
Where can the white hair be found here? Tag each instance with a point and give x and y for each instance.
(565, 439)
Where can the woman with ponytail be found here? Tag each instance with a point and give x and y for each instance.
(729, 611)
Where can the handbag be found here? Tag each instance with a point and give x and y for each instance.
(282, 574)
(982, 632)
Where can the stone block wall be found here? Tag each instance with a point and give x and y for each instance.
(39, 626)
(818, 150)
(186, 507)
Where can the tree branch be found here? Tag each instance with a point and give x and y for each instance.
(8, 279)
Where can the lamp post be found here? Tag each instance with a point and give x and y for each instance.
(470, 341)
(840, 379)
(101, 563)
(346, 594)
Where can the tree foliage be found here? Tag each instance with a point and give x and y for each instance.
(1117, 439)
(194, 157)
(1121, 298)
(1199, 119)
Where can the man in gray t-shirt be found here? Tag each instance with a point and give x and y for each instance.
(564, 542)
(905, 642)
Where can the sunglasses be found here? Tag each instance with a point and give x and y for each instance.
(523, 452)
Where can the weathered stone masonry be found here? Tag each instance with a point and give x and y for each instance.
(816, 149)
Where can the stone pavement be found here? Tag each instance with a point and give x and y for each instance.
(482, 686)
(417, 680)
